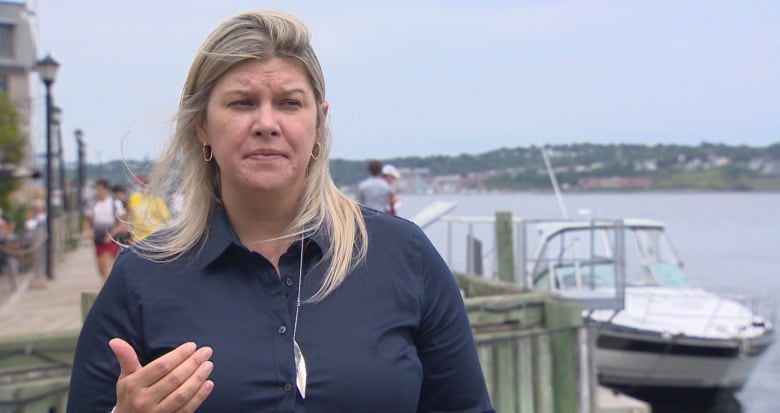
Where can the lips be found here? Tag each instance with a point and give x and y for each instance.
(266, 153)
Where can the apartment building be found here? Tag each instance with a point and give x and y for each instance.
(18, 54)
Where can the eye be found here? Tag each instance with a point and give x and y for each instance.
(291, 103)
(241, 103)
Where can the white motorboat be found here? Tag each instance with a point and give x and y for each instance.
(652, 327)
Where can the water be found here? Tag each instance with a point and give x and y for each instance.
(728, 242)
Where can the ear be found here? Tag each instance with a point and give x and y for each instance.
(201, 132)
(324, 106)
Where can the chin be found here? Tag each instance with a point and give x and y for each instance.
(271, 184)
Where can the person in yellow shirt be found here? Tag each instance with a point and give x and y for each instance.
(148, 212)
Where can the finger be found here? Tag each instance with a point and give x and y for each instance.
(147, 386)
(167, 363)
(176, 377)
(125, 354)
(190, 393)
(200, 396)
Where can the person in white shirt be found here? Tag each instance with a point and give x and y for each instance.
(391, 176)
(103, 220)
(374, 192)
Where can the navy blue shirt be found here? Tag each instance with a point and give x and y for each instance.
(394, 337)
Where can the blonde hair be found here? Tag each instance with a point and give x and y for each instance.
(181, 167)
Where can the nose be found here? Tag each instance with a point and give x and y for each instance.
(265, 122)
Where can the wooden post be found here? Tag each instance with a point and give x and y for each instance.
(564, 344)
(525, 376)
(504, 245)
(506, 377)
(544, 361)
(485, 353)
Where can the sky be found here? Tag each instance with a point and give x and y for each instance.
(420, 78)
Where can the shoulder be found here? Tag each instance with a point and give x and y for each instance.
(391, 234)
(139, 281)
(137, 267)
(382, 224)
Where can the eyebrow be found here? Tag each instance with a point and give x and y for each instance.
(245, 90)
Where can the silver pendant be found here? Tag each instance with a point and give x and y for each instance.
(300, 370)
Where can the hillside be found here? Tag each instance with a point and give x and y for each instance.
(577, 166)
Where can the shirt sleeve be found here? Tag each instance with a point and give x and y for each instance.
(120, 208)
(452, 376)
(95, 368)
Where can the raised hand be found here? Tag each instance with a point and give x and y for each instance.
(175, 382)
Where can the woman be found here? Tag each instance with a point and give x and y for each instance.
(298, 298)
(104, 223)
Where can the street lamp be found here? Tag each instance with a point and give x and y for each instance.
(56, 118)
(47, 69)
(82, 145)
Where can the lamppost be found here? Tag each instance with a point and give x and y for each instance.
(56, 118)
(82, 145)
(47, 68)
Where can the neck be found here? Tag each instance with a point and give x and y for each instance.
(260, 222)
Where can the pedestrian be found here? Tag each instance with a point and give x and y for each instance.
(103, 221)
(35, 236)
(273, 292)
(148, 212)
(119, 192)
(374, 192)
(391, 175)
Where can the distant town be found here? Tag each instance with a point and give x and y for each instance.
(586, 167)
(577, 167)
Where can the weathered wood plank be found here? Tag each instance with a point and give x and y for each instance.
(525, 376)
(564, 344)
(504, 247)
(543, 361)
(506, 377)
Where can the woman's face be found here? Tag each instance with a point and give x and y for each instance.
(261, 123)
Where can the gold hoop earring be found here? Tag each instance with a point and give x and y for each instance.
(316, 154)
(207, 150)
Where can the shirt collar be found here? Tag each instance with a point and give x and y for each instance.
(221, 235)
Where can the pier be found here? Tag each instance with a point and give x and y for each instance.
(49, 307)
(528, 343)
(39, 324)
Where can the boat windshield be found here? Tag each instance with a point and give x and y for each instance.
(577, 257)
(652, 260)
(587, 257)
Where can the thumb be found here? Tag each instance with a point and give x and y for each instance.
(125, 354)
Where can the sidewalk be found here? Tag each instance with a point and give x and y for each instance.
(39, 307)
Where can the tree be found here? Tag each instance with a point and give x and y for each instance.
(12, 146)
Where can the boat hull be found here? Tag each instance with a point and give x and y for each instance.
(647, 359)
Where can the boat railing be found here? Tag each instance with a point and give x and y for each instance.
(478, 262)
(763, 304)
(757, 310)
(527, 264)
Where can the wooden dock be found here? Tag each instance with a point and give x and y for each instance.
(39, 323)
(528, 370)
(49, 307)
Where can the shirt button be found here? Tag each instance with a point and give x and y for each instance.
(282, 330)
(289, 282)
(287, 386)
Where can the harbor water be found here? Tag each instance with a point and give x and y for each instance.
(729, 242)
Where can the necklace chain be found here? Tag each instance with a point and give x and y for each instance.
(298, 299)
(300, 362)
